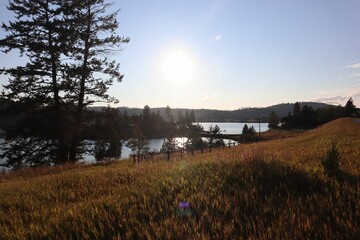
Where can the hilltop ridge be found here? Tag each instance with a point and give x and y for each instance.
(239, 115)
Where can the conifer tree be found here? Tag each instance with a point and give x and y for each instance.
(67, 45)
(273, 120)
(38, 34)
(350, 109)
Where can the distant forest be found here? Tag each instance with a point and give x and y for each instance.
(240, 115)
(8, 117)
(110, 127)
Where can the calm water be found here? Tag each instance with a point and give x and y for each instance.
(155, 144)
(2, 160)
(225, 127)
(234, 128)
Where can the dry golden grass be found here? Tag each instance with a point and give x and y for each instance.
(274, 134)
(270, 190)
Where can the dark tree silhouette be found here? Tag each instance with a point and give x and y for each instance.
(248, 134)
(273, 120)
(213, 141)
(38, 34)
(195, 140)
(170, 144)
(307, 117)
(168, 113)
(109, 134)
(66, 44)
(95, 38)
(350, 109)
(192, 116)
(297, 109)
(245, 129)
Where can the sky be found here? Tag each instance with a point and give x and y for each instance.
(231, 54)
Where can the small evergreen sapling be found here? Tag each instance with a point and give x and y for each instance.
(331, 161)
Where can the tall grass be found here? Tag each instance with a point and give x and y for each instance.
(273, 190)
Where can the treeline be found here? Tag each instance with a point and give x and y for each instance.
(204, 115)
(110, 129)
(148, 124)
(239, 115)
(306, 117)
(107, 130)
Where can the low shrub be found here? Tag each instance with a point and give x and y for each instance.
(331, 161)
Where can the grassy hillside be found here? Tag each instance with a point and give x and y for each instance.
(270, 190)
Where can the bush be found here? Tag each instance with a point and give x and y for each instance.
(107, 149)
(331, 161)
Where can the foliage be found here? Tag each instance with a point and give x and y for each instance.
(273, 120)
(350, 109)
(169, 116)
(138, 145)
(297, 109)
(170, 144)
(308, 118)
(195, 141)
(67, 44)
(331, 161)
(328, 114)
(106, 150)
(305, 119)
(215, 130)
(152, 124)
(248, 134)
(269, 190)
(239, 115)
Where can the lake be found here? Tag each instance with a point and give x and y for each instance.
(234, 127)
(225, 127)
(155, 144)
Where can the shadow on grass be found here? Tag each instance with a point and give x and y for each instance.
(274, 178)
(345, 177)
(285, 180)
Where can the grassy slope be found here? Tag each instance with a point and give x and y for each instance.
(275, 189)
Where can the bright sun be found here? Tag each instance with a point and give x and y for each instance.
(178, 67)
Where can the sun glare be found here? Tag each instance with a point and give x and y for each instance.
(178, 67)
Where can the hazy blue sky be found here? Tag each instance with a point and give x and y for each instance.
(228, 54)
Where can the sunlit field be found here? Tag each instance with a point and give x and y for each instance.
(276, 189)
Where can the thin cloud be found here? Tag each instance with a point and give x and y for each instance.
(204, 98)
(341, 96)
(207, 97)
(356, 65)
(355, 75)
(335, 100)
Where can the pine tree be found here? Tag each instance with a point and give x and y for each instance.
(245, 129)
(67, 44)
(297, 109)
(170, 144)
(168, 113)
(350, 109)
(95, 38)
(192, 116)
(39, 34)
(273, 120)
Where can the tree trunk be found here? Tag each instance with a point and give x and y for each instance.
(57, 114)
(75, 141)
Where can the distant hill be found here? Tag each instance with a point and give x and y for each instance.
(202, 115)
(246, 114)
